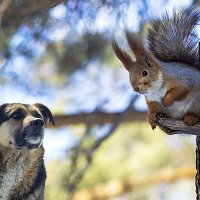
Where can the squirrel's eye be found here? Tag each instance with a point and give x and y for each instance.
(144, 73)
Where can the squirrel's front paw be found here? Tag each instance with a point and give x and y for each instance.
(167, 101)
(152, 120)
(160, 114)
(190, 119)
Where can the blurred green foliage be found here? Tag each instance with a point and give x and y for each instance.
(133, 151)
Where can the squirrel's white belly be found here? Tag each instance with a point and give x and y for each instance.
(156, 96)
(177, 110)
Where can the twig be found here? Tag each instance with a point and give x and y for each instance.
(76, 173)
(115, 125)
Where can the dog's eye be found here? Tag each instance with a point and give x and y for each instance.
(16, 115)
(37, 115)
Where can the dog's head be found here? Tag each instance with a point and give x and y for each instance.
(22, 125)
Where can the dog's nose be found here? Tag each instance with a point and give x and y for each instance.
(37, 123)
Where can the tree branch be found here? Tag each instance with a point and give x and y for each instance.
(178, 126)
(98, 118)
(20, 9)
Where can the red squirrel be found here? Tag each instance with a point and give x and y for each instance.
(167, 72)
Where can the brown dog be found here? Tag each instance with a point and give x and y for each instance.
(22, 171)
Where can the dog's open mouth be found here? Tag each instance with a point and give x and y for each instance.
(34, 138)
(30, 141)
(34, 141)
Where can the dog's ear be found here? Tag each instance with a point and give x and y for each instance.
(3, 113)
(46, 113)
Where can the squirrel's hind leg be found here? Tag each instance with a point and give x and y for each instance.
(190, 119)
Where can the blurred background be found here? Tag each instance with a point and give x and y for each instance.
(58, 52)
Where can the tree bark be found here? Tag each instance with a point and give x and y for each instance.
(179, 127)
(197, 177)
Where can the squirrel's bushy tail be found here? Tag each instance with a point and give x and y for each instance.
(173, 39)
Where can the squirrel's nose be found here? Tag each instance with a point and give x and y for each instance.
(136, 89)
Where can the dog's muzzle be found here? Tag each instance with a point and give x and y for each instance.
(31, 136)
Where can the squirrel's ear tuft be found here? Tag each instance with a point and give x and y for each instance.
(123, 56)
(142, 55)
(147, 60)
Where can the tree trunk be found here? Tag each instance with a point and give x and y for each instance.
(197, 178)
(179, 127)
